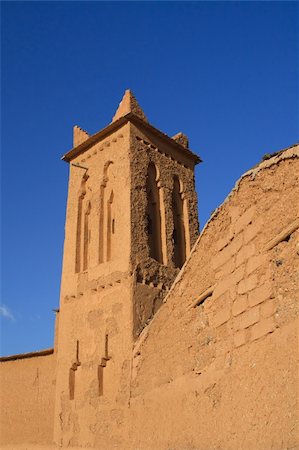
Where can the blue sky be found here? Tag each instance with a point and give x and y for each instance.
(224, 73)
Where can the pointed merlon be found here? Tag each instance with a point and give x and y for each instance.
(79, 135)
(129, 104)
(182, 139)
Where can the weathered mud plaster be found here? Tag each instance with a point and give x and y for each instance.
(118, 264)
(164, 339)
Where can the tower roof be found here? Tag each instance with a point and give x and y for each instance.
(129, 111)
(129, 104)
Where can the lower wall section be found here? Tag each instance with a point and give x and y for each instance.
(242, 404)
(216, 368)
(27, 400)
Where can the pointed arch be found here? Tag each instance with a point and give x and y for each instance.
(180, 223)
(153, 214)
(102, 210)
(81, 196)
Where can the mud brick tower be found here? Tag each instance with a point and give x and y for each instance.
(130, 224)
(157, 346)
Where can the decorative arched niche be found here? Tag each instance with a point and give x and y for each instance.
(86, 236)
(81, 196)
(155, 215)
(105, 217)
(181, 238)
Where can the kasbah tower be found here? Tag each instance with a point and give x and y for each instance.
(165, 339)
(131, 221)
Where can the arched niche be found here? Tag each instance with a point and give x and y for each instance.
(180, 223)
(81, 196)
(154, 214)
(103, 212)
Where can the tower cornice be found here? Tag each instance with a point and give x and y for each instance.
(137, 121)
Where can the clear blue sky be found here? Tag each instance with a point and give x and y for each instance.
(224, 73)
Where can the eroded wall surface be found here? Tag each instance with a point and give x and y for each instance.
(216, 367)
(223, 374)
(153, 278)
(27, 393)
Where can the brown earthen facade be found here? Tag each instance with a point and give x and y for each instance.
(166, 339)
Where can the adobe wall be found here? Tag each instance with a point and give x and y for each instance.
(153, 280)
(99, 301)
(100, 379)
(222, 375)
(108, 171)
(216, 366)
(95, 338)
(146, 148)
(27, 400)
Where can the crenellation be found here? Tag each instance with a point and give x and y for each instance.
(79, 135)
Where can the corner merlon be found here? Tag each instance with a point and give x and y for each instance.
(79, 135)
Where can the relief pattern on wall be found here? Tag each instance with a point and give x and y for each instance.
(87, 228)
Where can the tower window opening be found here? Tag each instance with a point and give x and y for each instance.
(153, 215)
(179, 239)
(105, 217)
